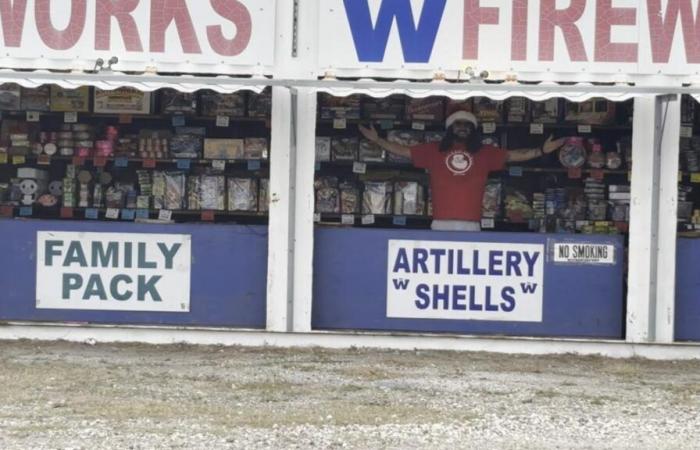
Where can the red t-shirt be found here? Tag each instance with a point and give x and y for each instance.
(458, 178)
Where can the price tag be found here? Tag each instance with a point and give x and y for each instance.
(142, 214)
(598, 174)
(3, 158)
(128, 214)
(695, 177)
(183, 164)
(99, 161)
(207, 216)
(67, 213)
(399, 221)
(489, 128)
(165, 215)
(125, 119)
(340, 124)
(386, 124)
(575, 173)
(33, 116)
(178, 121)
(686, 132)
(359, 167)
(223, 121)
(121, 162)
(78, 161)
(149, 163)
(26, 211)
(254, 164)
(44, 160)
(317, 217)
(112, 213)
(584, 129)
(91, 214)
(368, 219)
(7, 211)
(218, 164)
(317, 166)
(347, 219)
(515, 171)
(488, 223)
(420, 126)
(19, 159)
(536, 128)
(70, 117)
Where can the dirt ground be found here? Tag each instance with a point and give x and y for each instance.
(79, 396)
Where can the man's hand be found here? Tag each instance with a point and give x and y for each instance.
(551, 144)
(369, 133)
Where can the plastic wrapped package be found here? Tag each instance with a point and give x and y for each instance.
(185, 146)
(143, 202)
(546, 111)
(228, 149)
(159, 186)
(264, 196)
(434, 136)
(491, 204)
(69, 191)
(10, 95)
(371, 152)
(592, 112)
(596, 159)
(145, 182)
(215, 104)
(174, 190)
(613, 160)
(408, 198)
(487, 110)
(573, 154)
(193, 190)
(242, 194)
(430, 109)
(212, 192)
(260, 105)
(407, 139)
(36, 99)
(349, 198)
(389, 108)
(323, 148)
(345, 148)
(174, 102)
(339, 107)
(376, 198)
(518, 109)
(255, 148)
(517, 206)
(114, 198)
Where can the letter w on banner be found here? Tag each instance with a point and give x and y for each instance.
(465, 281)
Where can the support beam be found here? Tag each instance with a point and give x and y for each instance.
(651, 279)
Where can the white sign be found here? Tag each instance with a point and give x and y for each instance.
(215, 36)
(603, 37)
(113, 271)
(465, 281)
(583, 253)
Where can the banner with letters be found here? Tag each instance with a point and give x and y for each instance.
(193, 36)
(575, 36)
(465, 281)
(113, 271)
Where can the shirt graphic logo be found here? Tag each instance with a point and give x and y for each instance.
(459, 162)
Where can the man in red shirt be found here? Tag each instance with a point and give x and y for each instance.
(459, 167)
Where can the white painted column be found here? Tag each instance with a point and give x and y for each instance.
(651, 279)
(668, 220)
(304, 209)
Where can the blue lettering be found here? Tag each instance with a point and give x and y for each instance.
(420, 256)
(416, 42)
(443, 296)
(423, 300)
(489, 306)
(458, 293)
(473, 305)
(475, 267)
(529, 288)
(495, 262)
(400, 284)
(513, 263)
(531, 260)
(402, 262)
(438, 253)
(508, 304)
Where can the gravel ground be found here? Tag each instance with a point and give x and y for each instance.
(72, 396)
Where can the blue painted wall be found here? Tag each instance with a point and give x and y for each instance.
(350, 287)
(228, 278)
(688, 290)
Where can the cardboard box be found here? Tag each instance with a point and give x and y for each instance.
(224, 149)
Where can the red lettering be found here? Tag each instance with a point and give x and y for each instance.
(565, 19)
(663, 28)
(163, 13)
(240, 16)
(606, 17)
(474, 15)
(13, 13)
(60, 39)
(518, 39)
(120, 10)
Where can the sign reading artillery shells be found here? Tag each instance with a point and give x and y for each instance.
(113, 271)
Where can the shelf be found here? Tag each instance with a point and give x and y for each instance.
(432, 125)
(8, 211)
(138, 116)
(33, 159)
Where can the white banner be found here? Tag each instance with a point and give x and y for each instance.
(559, 36)
(113, 271)
(465, 281)
(210, 36)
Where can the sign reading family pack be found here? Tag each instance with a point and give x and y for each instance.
(113, 271)
(565, 36)
(220, 34)
(465, 281)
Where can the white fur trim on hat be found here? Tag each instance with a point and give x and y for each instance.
(461, 115)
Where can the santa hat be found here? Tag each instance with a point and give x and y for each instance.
(463, 116)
